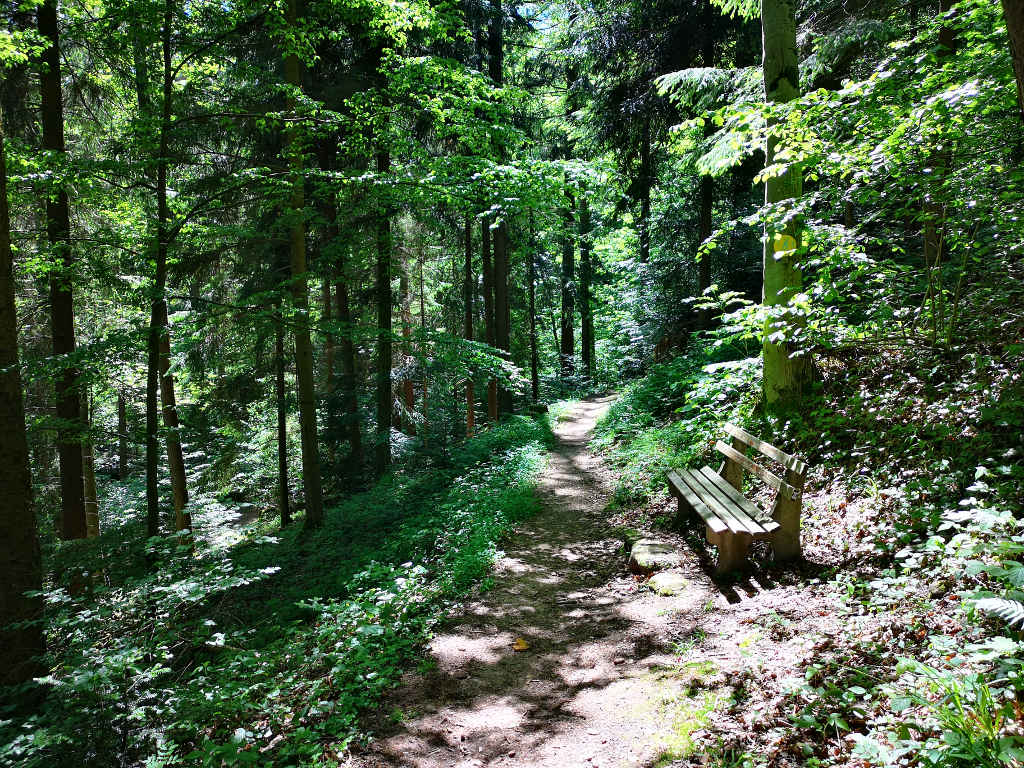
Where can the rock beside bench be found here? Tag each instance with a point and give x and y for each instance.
(668, 583)
(650, 555)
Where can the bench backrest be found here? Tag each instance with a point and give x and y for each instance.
(736, 462)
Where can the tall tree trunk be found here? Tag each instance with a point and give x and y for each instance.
(384, 353)
(21, 571)
(707, 202)
(175, 457)
(707, 183)
(532, 280)
(1013, 10)
(488, 280)
(329, 385)
(586, 278)
(62, 312)
(787, 373)
(423, 331)
(468, 286)
(158, 307)
(350, 401)
(405, 301)
(502, 310)
(568, 348)
(122, 435)
(92, 512)
(304, 376)
(646, 182)
(282, 420)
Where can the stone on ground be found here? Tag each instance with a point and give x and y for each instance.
(650, 555)
(668, 583)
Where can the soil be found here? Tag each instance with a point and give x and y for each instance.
(570, 660)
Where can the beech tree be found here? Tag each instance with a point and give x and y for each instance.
(787, 371)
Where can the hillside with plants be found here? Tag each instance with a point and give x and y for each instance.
(347, 349)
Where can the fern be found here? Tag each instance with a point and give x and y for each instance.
(1010, 611)
(745, 9)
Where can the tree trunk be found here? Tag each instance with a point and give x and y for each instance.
(468, 286)
(384, 353)
(646, 181)
(502, 312)
(282, 420)
(92, 512)
(405, 301)
(1013, 10)
(488, 275)
(707, 183)
(707, 202)
(300, 296)
(122, 435)
(325, 296)
(350, 401)
(787, 373)
(175, 457)
(62, 312)
(158, 307)
(21, 571)
(423, 330)
(532, 280)
(586, 276)
(568, 347)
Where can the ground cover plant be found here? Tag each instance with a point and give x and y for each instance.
(286, 291)
(269, 650)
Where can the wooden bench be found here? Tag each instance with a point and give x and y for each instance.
(731, 519)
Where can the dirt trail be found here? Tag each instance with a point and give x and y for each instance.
(613, 674)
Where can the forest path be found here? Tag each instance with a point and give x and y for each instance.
(587, 690)
(613, 675)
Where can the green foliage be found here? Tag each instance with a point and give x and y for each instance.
(673, 415)
(268, 652)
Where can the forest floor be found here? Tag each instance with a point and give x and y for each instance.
(564, 658)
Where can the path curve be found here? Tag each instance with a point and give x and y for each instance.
(589, 688)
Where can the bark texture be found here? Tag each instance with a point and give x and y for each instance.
(384, 344)
(786, 373)
(468, 291)
(502, 310)
(20, 564)
(567, 352)
(169, 405)
(304, 375)
(71, 426)
(350, 403)
(282, 420)
(1013, 11)
(586, 277)
(532, 281)
(488, 286)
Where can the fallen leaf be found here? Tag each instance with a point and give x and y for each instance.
(520, 645)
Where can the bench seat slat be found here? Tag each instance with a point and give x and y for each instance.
(772, 479)
(725, 521)
(746, 504)
(791, 463)
(680, 488)
(734, 515)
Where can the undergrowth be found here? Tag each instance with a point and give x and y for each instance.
(267, 652)
(931, 669)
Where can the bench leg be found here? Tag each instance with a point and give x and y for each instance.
(786, 542)
(732, 551)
